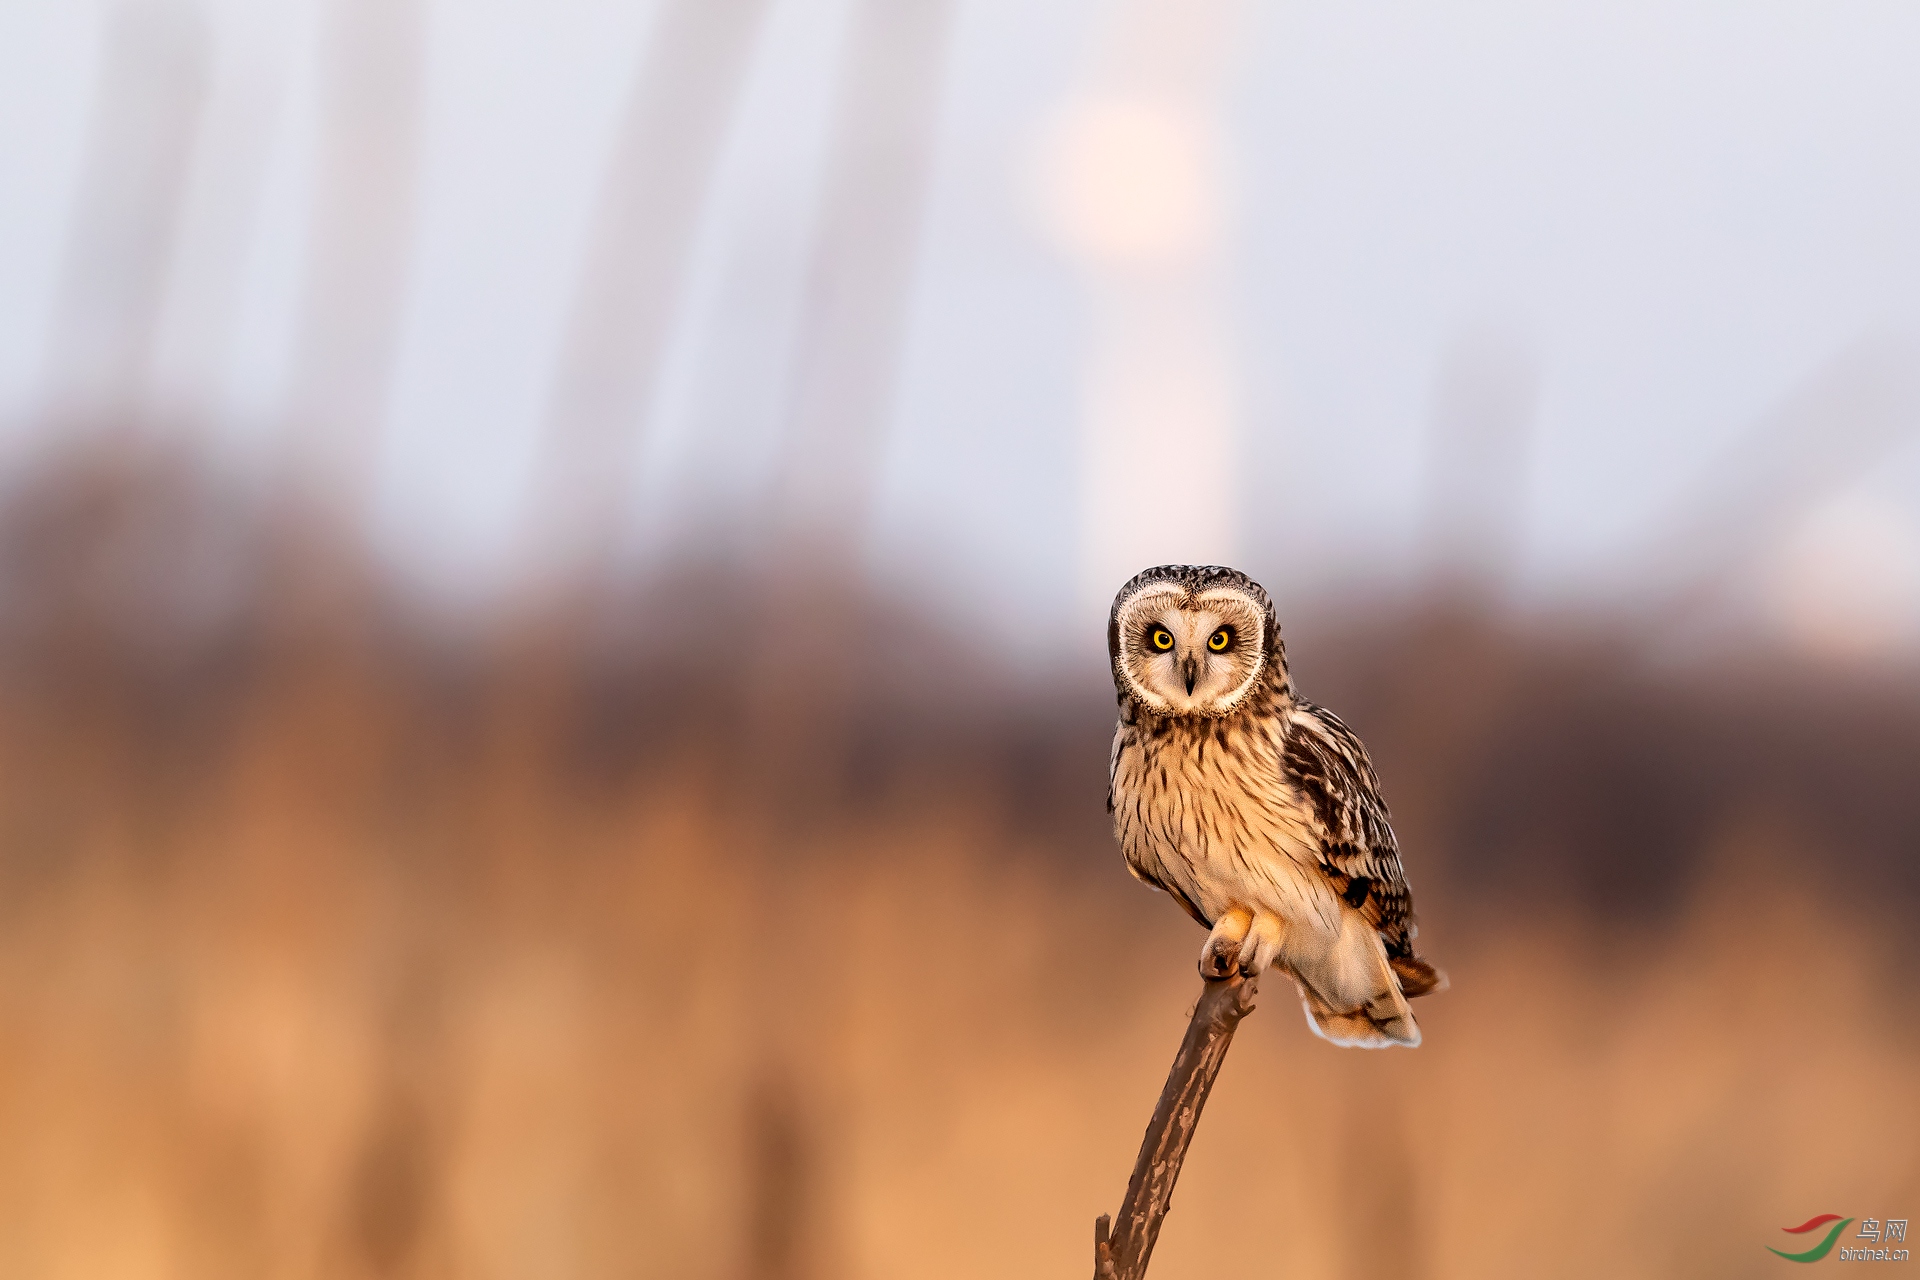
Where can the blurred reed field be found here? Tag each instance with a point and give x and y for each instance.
(553, 710)
(335, 948)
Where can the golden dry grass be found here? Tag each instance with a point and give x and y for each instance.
(337, 961)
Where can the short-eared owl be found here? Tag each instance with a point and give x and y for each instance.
(1255, 810)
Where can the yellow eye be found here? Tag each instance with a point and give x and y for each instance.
(1220, 640)
(1161, 639)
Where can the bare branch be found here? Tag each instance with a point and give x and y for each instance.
(1120, 1251)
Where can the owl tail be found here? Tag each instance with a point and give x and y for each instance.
(1385, 1018)
(1356, 994)
(1380, 1023)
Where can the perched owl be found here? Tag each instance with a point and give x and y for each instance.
(1254, 809)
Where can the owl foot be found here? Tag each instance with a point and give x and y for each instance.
(1220, 957)
(1219, 962)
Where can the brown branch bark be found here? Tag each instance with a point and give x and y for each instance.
(1121, 1252)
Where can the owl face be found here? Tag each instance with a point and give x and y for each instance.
(1187, 652)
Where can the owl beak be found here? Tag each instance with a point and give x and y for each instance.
(1191, 670)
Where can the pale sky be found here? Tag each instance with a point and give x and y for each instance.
(1666, 217)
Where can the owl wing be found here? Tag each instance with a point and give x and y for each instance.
(1327, 765)
(1171, 890)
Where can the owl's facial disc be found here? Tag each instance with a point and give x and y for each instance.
(1192, 656)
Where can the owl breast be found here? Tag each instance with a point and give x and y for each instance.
(1204, 807)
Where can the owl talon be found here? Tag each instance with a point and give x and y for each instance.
(1220, 957)
(1217, 964)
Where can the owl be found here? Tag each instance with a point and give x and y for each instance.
(1256, 810)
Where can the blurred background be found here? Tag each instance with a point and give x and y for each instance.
(553, 567)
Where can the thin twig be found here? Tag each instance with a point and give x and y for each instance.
(1121, 1253)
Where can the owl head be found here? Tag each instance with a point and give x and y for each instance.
(1194, 640)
